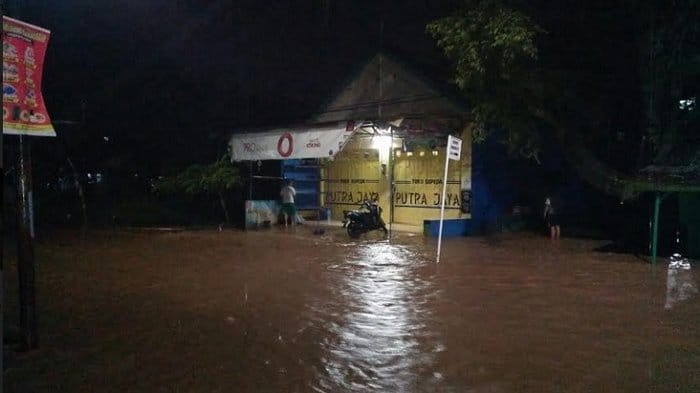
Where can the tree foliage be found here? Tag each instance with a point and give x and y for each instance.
(213, 179)
(494, 50)
(603, 75)
(671, 73)
(197, 179)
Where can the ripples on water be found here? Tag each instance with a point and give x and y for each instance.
(374, 321)
(393, 321)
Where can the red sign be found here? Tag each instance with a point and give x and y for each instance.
(285, 151)
(23, 50)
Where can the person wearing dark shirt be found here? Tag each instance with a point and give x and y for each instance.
(551, 219)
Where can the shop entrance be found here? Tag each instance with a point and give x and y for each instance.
(418, 187)
(353, 176)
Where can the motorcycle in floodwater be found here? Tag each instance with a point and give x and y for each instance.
(365, 219)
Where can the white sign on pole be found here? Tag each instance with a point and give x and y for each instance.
(454, 150)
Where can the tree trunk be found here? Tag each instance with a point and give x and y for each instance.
(223, 206)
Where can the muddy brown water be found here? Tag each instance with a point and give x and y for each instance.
(288, 311)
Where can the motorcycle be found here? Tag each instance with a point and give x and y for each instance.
(365, 219)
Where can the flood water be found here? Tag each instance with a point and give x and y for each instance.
(519, 313)
(376, 328)
(290, 311)
(516, 313)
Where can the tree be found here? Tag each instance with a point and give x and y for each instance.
(585, 75)
(212, 179)
(495, 54)
(671, 75)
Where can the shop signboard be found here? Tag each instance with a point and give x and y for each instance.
(283, 144)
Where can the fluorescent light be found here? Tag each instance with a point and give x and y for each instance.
(381, 142)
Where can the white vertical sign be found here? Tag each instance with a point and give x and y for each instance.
(454, 150)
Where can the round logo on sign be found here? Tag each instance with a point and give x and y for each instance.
(285, 151)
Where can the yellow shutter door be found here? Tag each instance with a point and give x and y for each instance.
(353, 176)
(418, 190)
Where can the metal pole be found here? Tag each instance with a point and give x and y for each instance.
(391, 181)
(381, 66)
(2, 252)
(655, 234)
(25, 248)
(250, 180)
(442, 204)
(25, 233)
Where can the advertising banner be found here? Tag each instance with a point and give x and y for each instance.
(23, 50)
(313, 142)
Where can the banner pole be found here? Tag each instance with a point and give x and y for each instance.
(2, 253)
(25, 248)
(23, 113)
(442, 204)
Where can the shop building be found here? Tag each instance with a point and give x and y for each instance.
(382, 136)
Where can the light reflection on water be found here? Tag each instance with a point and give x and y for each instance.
(680, 285)
(373, 344)
(391, 320)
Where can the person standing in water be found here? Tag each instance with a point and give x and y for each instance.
(551, 219)
(289, 210)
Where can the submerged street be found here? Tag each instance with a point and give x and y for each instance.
(159, 154)
(289, 311)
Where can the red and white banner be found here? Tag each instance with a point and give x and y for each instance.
(282, 144)
(23, 50)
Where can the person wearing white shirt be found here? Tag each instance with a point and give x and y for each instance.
(288, 208)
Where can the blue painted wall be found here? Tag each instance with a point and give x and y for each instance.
(306, 174)
(500, 182)
(493, 187)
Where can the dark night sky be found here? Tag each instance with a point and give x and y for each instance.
(175, 74)
(169, 80)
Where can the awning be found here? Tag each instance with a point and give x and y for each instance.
(313, 141)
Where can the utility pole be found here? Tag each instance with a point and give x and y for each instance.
(25, 247)
(2, 252)
(25, 234)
